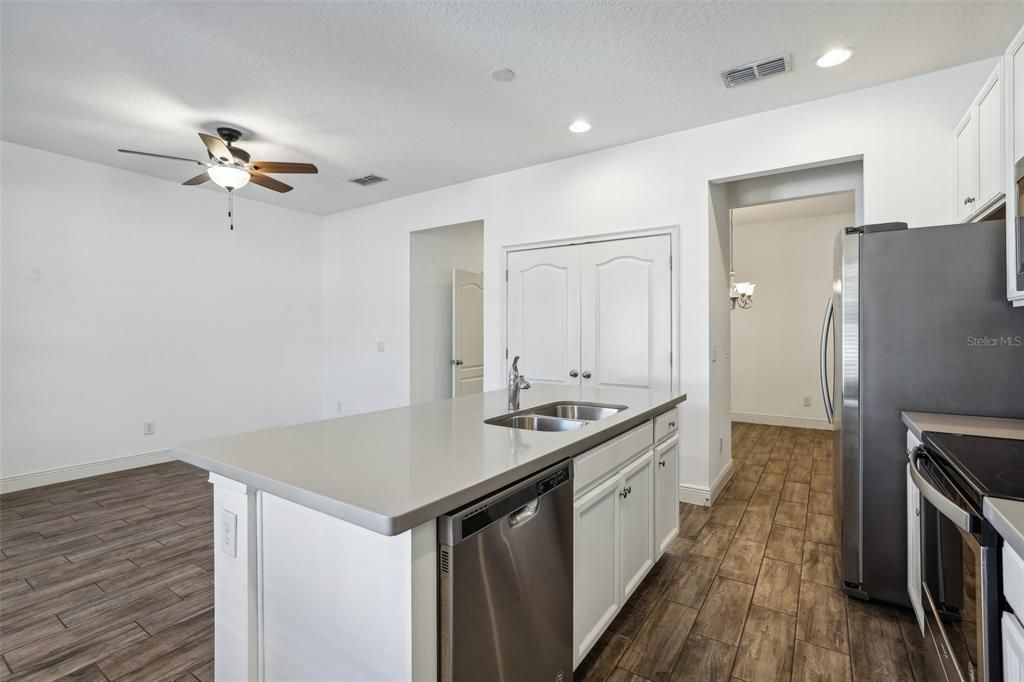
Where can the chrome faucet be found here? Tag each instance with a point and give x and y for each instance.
(516, 382)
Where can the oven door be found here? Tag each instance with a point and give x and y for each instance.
(959, 556)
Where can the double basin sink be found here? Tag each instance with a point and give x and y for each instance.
(561, 416)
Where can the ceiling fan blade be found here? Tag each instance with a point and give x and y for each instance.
(217, 148)
(282, 167)
(269, 182)
(161, 156)
(197, 180)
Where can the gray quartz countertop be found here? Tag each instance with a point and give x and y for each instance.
(392, 470)
(1007, 516)
(920, 422)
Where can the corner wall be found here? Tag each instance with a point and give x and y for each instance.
(902, 131)
(126, 298)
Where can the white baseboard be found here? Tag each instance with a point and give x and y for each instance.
(782, 420)
(8, 484)
(705, 497)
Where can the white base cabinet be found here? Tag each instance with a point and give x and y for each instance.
(625, 513)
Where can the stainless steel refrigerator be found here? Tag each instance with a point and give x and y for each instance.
(919, 321)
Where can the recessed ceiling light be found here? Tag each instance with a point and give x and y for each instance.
(579, 126)
(834, 57)
(503, 75)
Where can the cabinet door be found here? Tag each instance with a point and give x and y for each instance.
(966, 166)
(990, 140)
(1013, 648)
(1015, 83)
(626, 294)
(595, 589)
(666, 494)
(636, 522)
(544, 313)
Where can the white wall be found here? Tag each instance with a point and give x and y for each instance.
(901, 130)
(126, 298)
(433, 255)
(775, 354)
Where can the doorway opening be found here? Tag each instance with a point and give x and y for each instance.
(446, 322)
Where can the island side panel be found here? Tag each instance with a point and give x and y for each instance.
(235, 594)
(340, 602)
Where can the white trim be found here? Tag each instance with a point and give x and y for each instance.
(9, 484)
(781, 420)
(673, 231)
(705, 497)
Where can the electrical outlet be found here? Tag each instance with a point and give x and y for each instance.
(339, 407)
(148, 428)
(228, 533)
(721, 445)
(807, 401)
(380, 346)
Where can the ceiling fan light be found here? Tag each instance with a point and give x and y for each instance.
(229, 177)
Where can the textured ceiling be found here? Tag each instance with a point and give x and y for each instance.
(402, 89)
(795, 209)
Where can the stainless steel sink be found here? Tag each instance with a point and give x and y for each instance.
(533, 422)
(588, 412)
(563, 416)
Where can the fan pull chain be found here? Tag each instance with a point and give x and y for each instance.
(231, 210)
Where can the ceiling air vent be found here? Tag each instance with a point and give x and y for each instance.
(368, 180)
(756, 71)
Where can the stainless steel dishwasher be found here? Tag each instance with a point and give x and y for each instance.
(506, 583)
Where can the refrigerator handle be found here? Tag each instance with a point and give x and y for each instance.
(826, 394)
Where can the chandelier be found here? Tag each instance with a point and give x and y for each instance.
(741, 294)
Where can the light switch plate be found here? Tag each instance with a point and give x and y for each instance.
(228, 532)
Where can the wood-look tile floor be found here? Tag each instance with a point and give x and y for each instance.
(750, 589)
(109, 578)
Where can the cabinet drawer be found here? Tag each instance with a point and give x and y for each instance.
(1013, 578)
(665, 425)
(596, 464)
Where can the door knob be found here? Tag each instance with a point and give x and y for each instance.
(586, 374)
(573, 373)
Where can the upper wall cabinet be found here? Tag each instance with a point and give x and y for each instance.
(979, 152)
(1013, 167)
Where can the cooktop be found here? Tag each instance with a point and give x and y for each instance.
(990, 467)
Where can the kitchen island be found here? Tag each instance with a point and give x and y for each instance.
(325, 532)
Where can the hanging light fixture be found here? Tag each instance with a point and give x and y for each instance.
(740, 293)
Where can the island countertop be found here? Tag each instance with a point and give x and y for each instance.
(392, 470)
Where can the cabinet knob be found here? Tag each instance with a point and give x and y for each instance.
(623, 493)
(662, 463)
(970, 200)
(586, 374)
(671, 425)
(573, 373)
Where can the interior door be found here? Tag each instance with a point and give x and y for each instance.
(544, 313)
(626, 295)
(467, 332)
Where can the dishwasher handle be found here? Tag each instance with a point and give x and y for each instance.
(518, 503)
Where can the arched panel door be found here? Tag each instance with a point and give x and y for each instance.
(626, 303)
(544, 313)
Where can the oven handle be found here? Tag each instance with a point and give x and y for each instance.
(962, 518)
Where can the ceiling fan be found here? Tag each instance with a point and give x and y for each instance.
(231, 167)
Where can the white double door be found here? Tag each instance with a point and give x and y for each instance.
(596, 315)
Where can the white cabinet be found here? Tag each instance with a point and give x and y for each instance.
(980, 140)
(595, 590)
(966, 166)
(594, 314)
(1013, 648)
(636, 522)
(666, 494)
(1013, 164)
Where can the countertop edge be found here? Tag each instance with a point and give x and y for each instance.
(396, 525)
(996, 510)
(996, 427)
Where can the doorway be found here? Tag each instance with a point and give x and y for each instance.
(786, 249)
(446, 311)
